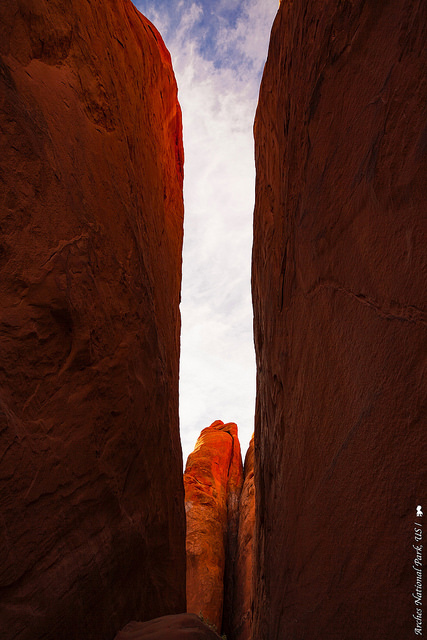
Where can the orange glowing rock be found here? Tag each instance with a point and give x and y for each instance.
(92, 526)
(213, 479)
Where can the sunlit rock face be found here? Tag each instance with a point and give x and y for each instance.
(213, 479)
(340, 326)
(243, 566)
(91, 494)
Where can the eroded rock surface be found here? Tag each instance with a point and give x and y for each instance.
(91, 494)
(213, 479)
(184, 626)
(339, 286)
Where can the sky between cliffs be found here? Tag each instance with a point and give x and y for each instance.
(218, 50)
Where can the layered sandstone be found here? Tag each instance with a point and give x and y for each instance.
(213, 479)
(339, 288)
(241, 627)
(92, 504)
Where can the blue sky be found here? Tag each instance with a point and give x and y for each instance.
(218, 51)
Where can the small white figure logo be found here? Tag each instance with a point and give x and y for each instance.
(419, 511)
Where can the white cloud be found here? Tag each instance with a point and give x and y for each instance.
(218, 102)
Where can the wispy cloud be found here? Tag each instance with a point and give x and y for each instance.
(218, 56)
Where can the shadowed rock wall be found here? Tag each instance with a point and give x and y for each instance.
(243, 567)
(339, 289)
(183, 626)
(92, 517)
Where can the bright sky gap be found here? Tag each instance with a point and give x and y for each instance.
(218, 52)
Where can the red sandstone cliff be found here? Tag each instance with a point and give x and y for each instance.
(91, 495)
(339, 286)
(243, 567)
(213, 479)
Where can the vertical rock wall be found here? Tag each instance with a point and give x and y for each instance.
(92, 522)
(213, 480)
(243, 566)
(339, 288)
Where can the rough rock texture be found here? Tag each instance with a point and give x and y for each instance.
(243, 567)
(184, 626)
(213, 480)
(91, 496)
(339, 286)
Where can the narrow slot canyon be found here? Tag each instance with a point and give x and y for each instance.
(316, 532)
